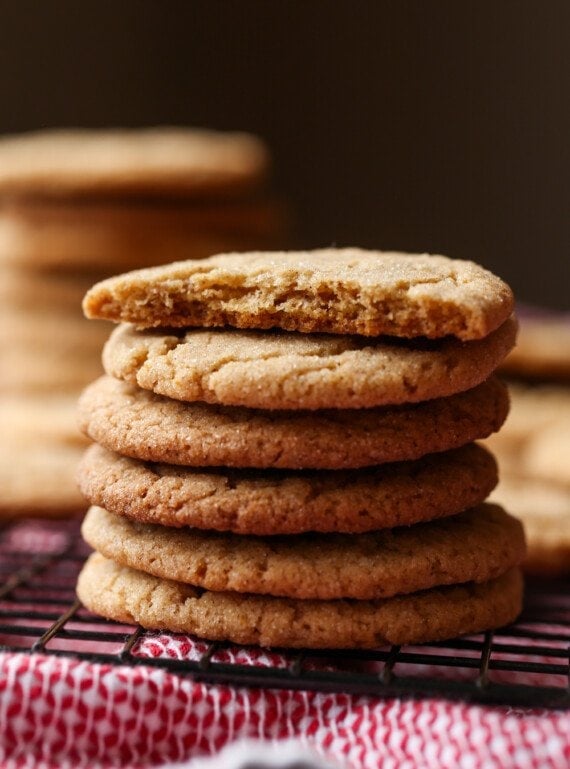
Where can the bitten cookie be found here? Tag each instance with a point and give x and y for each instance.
(340, 291)
(284, 502)
(474, 546)
(140, 424)
(130, 596)
(280, 370)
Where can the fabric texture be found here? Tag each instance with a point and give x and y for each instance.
(64, 713)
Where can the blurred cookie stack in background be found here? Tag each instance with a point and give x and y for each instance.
(534, 445)
(75, 207)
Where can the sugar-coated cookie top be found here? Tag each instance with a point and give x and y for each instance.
(339, 291)
(131, 596)
(145, 161)
(268, 502)
(473, 546)
(138, 423)
(288, 370)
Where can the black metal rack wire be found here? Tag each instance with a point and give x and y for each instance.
(524, 665)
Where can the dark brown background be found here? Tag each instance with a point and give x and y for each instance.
(440, 126)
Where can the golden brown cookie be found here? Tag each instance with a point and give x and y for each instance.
(47, 333)
(104, 244)
(547, 453)
(544, 509)
(130, 596)
(535, 440)
(281, 502)
(25, 418)
(340, 291)
(84, 219)
(46, 345)
(533, 409)
(49, 370)
(25, 289)
(288, 370)
(38, 480)
(543, 348)
(532, 450)
(162, 160)
(40, 447)
(140, 424)
(474, 546)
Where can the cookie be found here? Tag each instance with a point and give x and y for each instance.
(276, 502)
(140, 424)
(61, 245)
(474, 546)
(544, 509)
(140, 218)
(46, 345)
(162, 160)
(27, 419)
(48, 371)
(50, 333)
(339, 291)
(535, 440)
(39, 480)
(546, 453)
(543, 348)
(130, 596)
(532, 410)
(40, 447)
(288, 370)
(37, 290)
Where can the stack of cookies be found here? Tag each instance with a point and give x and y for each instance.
(108, 199)
(285, 450)
(75, 207)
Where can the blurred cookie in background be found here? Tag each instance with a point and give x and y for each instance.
(544, 508)
(125, 162)
(534, 445)
(77, 206)
(543, 347)
(121, 199)
(39, 451)
(123, 234)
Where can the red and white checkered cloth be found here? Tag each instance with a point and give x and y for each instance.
(64, 713)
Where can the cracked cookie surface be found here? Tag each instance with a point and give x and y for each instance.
(288, 370)
(340, 291)
(474, 546)
(286, 502)
(131, 596)
(138, 423)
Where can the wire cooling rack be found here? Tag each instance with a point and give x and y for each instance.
(524, 665)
